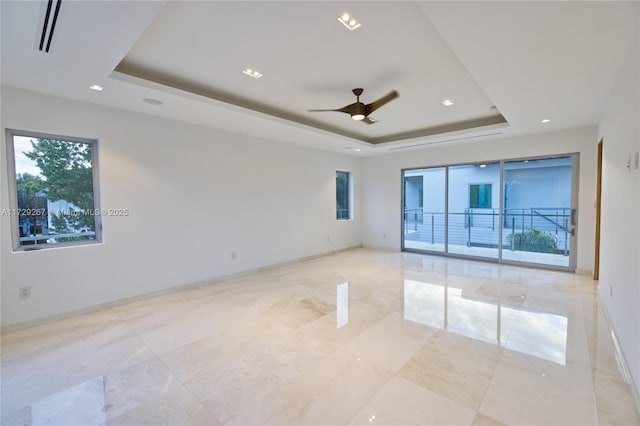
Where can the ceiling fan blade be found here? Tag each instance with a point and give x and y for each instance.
(380, 102)
(368, 120)
(349, 109)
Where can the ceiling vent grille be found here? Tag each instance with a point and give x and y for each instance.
(49, 28)
(445, 141)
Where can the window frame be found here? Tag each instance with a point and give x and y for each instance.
(489, 184)
(17, 245)
(349, 194)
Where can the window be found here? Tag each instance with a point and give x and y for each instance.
(53, 185)
(480, 196)
(342, 195)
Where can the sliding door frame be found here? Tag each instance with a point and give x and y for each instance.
(575, 173)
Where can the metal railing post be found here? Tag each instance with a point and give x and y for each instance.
(415, 220)
(406, 225)
(522, 220)
(531, 218)
(513, 227)
(469, 235)
(432, 239)
(565, 235)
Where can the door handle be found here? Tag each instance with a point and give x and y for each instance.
(573, 219)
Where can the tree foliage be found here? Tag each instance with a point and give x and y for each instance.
(29, 189)
(31, 202)
(66, 167)
(342, 195)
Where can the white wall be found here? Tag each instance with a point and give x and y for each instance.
(462, 176)
(620, 224)
(195, 195)
(382, 181)
(529, 187)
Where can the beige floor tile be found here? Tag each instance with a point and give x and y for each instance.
(615, 403)
(401, 402)
(236, 382)
(391, 342)
(176, 408)
(283, 404)
(517, 396)
(456, 367)
(344, 396)
(482, 420)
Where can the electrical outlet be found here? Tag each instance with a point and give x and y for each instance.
(25, 292)
(328, 238)
(233, 255)
(384, 235)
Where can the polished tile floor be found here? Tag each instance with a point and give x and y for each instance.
(362, 337)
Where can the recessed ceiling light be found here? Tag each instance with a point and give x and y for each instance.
(546, 120)
(482, 166)
(252, 73)
(447, 102)
(357, 150)
(96, 87)
(349, 21)
(152, 101)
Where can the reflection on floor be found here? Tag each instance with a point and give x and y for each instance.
(362, 337)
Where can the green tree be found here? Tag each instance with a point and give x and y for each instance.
(31, 202)
(67, 168)
(342, 195)
(28, 188)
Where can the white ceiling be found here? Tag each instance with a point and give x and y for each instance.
(532, 60)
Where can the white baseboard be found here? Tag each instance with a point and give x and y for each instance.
(381, 248)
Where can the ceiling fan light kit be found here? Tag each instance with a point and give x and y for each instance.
(359, 111)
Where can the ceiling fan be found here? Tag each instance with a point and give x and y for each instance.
(359, 111)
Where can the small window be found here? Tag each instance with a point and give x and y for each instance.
(342, 195)
(480, 196)
(53, 188)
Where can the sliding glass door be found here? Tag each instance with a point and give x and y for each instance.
(538, 211)
(520, 211)
(474, 210)
(424, 202)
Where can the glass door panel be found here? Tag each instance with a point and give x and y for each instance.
(537, 211)
(423, 210)
(474, 210)
(510, 211)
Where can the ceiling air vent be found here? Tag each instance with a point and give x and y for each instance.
(445, 141)
(49, 25)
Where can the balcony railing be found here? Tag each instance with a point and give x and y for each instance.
(43, 239)
(479, 227)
